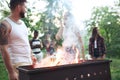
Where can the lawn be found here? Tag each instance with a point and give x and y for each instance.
(3, 72)
(115, 69)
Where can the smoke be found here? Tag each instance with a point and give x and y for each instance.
(68, 53)
(71, 46)
(71, 32)
(67, 4)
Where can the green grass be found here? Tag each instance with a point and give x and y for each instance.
(3, 72)
(115, 70)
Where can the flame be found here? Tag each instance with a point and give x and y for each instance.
(60, 57)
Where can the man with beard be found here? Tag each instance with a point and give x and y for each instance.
(14, 43)
(72, 41)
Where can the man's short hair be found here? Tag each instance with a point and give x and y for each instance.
(14, 3)
(35, 31)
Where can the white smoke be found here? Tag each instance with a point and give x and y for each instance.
(71, 45)
(71, 32)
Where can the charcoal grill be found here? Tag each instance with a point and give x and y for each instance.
(88, 70)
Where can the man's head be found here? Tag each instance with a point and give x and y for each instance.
(35, 34)
(68, 19)
(18, 6)
(66, 15)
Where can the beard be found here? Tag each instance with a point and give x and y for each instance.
(22, 14)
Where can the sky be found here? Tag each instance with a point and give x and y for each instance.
(81, 9)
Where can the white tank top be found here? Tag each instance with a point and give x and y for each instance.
(18, 44)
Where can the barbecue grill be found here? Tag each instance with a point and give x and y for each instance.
(88, 70)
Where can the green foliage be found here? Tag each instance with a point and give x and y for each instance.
(4, 9)
(53, 12)
(107, 19)
(43, 21)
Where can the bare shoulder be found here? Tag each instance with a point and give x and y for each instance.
(5, 25)
(4, 32)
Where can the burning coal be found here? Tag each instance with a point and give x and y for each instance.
(61, 57)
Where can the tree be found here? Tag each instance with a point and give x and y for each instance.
(46, 21)
(51, 17)
(108, 21)
(4, 9)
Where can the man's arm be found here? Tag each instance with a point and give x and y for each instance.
(4, 32)
(60, 32)
(82, 46)
(41, 44)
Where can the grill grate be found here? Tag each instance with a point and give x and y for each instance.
(88, 70)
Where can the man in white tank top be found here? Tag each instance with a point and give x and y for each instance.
(14, 43)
